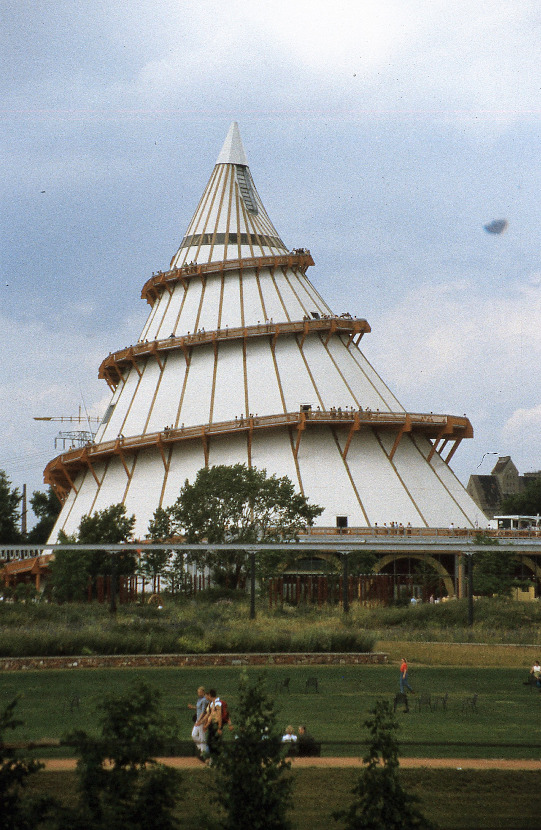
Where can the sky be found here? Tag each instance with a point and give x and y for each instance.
(382, 135)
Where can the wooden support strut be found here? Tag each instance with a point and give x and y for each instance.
(159, 442)
(205, 446)
(131, 357)
(406, 427)
(453, 450)
(355, 427)
(118, 451)
(438, 438)
(86, 458)
(154, 353)
(300, 428)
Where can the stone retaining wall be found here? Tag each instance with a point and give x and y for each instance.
(188, 660)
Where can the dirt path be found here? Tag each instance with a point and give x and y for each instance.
(66, 764)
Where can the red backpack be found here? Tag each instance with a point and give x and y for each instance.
(225, 712)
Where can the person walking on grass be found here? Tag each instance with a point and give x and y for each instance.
(198, 731)
(404, 683)
(213, 723)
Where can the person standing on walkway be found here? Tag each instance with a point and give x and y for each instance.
(404, 683)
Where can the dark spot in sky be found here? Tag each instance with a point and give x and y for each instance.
(496, 226)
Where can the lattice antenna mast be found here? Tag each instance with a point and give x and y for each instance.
(73, 438)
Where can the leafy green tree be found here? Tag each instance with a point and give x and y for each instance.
(253, 785)
(46, 507)
(527, 503)
(108, 525)
(69, 572)
(120, 783)
(380, 802)
(10, 517)
(493, 571)
(238, 504)
(157, 563)
(18, 811)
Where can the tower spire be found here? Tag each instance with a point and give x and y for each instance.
(233, 151)
(230, 221)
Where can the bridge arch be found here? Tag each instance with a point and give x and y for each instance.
(440, 569)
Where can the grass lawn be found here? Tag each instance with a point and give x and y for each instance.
(508, 713)
(455, 800)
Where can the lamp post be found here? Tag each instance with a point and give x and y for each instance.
(470, 589)
(252, 584)
(345, 580)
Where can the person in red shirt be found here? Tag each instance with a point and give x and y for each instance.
(404, 684)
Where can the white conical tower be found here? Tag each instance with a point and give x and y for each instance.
(241, 360)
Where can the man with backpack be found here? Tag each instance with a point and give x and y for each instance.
(216, 717)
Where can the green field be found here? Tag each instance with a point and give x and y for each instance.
(454, 799)
(507, 722)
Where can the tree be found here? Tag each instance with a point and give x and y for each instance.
(72, 569)
(113, 526)
(119, 782)
(46, 507)
(527, 503)
(17, 810)
(69, 572)
(9, 512)
(253, 785)
(238, 504)
(154, 563)
(381, 803)
(493, 571)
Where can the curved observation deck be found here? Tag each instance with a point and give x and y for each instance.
(113, 367)
(62, 471)
(299, 259)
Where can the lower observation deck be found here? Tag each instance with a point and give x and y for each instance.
(63, 470)
(165, 280)
(113, 366)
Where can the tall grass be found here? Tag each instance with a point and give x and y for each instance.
(204, 625)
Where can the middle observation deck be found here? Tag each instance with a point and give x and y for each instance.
(113, 367)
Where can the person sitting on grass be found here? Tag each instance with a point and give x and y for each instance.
(306, 743)
(289, 736)
(535, 674)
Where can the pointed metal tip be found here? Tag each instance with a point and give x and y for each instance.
(233, 152)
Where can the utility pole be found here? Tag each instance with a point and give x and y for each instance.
(23, 513)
